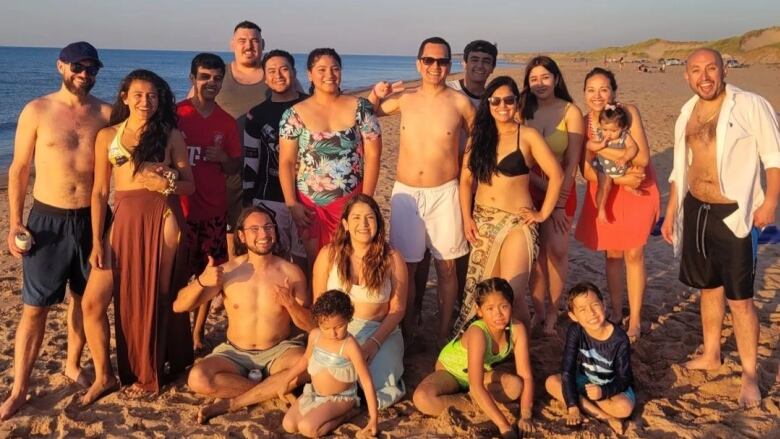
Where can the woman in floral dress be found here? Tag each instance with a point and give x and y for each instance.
(329, 149)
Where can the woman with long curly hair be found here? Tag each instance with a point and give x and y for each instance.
(503, 226)
(362, 263)
(146, 155)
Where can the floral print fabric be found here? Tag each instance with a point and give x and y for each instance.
(330, 163)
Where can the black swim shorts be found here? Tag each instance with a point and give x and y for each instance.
(712, 256)
(59, 255)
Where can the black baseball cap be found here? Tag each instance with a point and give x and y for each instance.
(79, 51)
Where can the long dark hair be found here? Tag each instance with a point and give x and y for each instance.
(376, 262)
(528, 102)
(484, 136)
(240, 248)
(154, 138)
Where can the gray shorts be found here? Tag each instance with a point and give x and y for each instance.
(262, 360)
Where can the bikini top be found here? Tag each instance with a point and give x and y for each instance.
(513, 164)
(558, 139)
(118, 155)
(359, 293)
(339, 366)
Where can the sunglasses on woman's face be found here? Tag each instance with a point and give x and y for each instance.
(78, 68)
(429, 60)
(509, 101)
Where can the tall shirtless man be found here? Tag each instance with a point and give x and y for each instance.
(716, 206)
(264, 295)
(56, 133)
(425, 203)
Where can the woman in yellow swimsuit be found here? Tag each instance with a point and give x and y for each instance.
(547, 106)
(145, 153)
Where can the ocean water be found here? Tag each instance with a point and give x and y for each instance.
(31, 72)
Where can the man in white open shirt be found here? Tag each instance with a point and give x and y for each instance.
(717, 206)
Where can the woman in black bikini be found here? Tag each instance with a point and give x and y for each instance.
(503, 225)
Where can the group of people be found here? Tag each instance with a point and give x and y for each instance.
(257, 194)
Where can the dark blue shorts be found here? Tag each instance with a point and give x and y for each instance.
(59, 255)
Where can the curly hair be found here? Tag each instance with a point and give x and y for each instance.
(376, 262)
(484, 135)
(154, 138)
(581, 289)
(528, 100)
(332, 303)
(617, 114)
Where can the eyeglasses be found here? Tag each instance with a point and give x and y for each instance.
(495, 101)
(429, 60)
(268, 228)
(78, 68)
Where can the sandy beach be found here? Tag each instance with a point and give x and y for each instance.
(671, 402)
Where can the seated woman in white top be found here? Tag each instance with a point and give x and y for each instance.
(360, 262)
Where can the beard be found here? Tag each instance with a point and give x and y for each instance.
(83, 90)
(260, 251)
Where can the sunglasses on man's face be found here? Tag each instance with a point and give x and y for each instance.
(509, 101)
(78, 68)
(429, 60)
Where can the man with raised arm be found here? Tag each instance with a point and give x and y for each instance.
(56, 133)
(425, 205)
(265, 295)
(717, 206)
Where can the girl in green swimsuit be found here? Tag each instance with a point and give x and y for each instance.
(466, 363)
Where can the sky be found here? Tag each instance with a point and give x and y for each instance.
(393, 27)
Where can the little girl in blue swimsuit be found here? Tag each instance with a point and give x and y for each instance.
(335, 362)
(612, 134)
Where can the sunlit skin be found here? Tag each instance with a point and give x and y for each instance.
(611, 131)
(207, 83)
(247, 47)
(477, 69)
(361, 223)
(705, 74)
(279, 76)
(434, 74)
(325, 74)
(333, 328)
(542, 83)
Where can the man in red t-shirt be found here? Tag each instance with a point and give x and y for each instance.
(214, 149)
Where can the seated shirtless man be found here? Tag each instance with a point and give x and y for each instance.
(264, 294)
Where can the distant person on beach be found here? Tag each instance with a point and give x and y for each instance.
(261, 150)
(613, 134)
(547, 106)
(596, 375)
(476, 360)
(56, 135)
(142, 255)
(479, 60)
(361, 263)
(336, 364)
(214, 151)
(632, 212)
(425, 205)
(717, 206)
(265, 295)
(329, 150)
(501, 222)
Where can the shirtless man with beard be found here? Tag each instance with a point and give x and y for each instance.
(265, 295)
(56, 133)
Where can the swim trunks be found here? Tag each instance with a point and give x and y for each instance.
(712, 256)
(59, 255)
(207, 237)
(260, 359)
(427, 217)
(582, 380)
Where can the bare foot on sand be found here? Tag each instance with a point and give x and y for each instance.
(702, 363)
(616, 425)
(99, 389)
(749, 394)
(208, 411)
(77, 376)
(602, 216)
(12, 405)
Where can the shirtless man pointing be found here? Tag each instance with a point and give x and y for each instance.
(56, 133)
(425, 203)
(264, 296)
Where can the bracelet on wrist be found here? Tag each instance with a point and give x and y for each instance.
(171, 188)
(197, 279)
(378, 345)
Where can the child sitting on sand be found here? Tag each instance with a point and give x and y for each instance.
(335, 362)
(466, 363)
(613, 134)
(596, 368)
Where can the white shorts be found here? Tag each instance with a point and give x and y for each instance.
(288, 233)
(427, 217)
